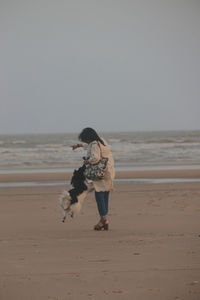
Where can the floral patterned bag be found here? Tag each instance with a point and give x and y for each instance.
(96, 171)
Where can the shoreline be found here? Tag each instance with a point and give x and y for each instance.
(119, 168)
(127, 174)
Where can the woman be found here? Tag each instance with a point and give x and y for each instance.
(98, 148)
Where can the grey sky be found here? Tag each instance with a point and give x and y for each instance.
(110, 64)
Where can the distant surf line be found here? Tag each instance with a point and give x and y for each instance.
(117, 181)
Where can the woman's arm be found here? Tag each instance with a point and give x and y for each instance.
(74, 147)
(95, 154)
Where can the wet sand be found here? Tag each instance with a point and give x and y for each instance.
(151, 252)
(60, 176)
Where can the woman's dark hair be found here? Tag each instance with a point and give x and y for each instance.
(89, 135)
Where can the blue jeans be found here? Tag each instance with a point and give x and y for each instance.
(102, 203)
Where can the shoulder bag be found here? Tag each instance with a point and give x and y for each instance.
(96, 171)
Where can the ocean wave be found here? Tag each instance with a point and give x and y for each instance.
(114, 140)
(49, 146)
(19, 142)
(129, 149)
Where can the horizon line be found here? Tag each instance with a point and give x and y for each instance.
(101, 131)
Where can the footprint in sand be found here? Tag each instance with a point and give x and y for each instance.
(117, 292)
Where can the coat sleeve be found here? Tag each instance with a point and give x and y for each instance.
(85, 147)
(95, 154)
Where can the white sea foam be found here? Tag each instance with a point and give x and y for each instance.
(19, 142)
(129, 149)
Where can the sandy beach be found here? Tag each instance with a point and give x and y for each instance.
(151, 252)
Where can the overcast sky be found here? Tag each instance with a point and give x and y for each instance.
(114, 65)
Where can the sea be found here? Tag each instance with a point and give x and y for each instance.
(131, 151)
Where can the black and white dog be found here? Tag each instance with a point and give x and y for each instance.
(71, 201)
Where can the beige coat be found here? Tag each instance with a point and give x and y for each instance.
(94, 153)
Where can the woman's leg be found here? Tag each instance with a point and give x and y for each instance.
(101, 203)
(106, 198)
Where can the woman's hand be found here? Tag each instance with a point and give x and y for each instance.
(74, 147)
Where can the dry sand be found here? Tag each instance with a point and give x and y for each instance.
(151, 252)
